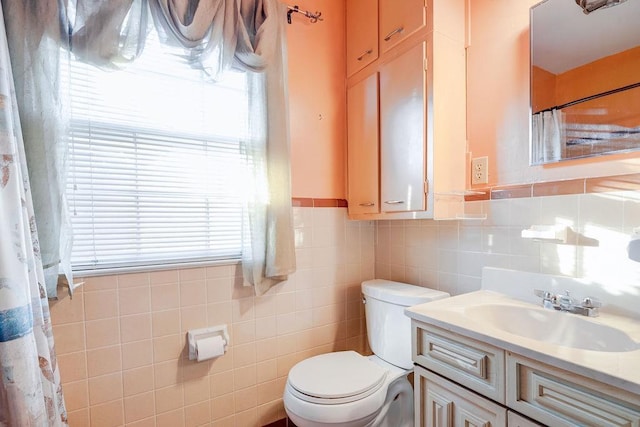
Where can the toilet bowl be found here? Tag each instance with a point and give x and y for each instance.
(346, 389)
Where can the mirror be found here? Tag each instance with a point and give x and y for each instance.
(585, 79)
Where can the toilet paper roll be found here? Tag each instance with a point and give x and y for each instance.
(210, 347)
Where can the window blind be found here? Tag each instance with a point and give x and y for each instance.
(155, 169)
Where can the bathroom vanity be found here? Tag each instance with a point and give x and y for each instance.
(496, 357)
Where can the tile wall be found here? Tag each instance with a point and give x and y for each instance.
(449, 255)
(121, 340)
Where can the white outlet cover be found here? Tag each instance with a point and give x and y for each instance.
(479, 170)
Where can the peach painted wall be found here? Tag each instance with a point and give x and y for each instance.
(317, 101)
(121, 345)
(543, 95)
(498, 100)
(612, 72)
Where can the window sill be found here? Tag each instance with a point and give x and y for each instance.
(150, 268)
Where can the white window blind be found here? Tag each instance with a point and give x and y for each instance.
(155, 170)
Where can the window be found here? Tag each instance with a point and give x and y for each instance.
(155, 168)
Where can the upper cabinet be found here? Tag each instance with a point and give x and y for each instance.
(373, 25)
(400, 19)
(362, 34)
(402, 124)
(406, 112)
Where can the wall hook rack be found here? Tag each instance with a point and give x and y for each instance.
(313, 17)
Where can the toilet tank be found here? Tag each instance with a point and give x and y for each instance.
(388, 329)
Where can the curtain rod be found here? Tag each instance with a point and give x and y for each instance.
(313, 17)
(589, 98)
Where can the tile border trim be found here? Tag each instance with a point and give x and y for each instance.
(304, 202)
(602, 184)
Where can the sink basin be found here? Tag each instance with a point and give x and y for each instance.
(553, 327)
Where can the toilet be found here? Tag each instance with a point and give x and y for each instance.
(346, 389)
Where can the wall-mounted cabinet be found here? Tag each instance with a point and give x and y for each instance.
(372, 25)
(406, 110)
(362, 151)
(362, 38)
(402, 124)
(399, 20)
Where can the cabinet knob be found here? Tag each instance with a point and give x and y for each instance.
(365, 53)
(393, 33)
(394, 202)
(364, 205)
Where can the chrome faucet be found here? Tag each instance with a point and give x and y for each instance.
(564, 302)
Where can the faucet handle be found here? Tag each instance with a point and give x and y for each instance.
(590, 302)
(542, 294)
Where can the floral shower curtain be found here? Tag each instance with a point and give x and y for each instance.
(30, 391)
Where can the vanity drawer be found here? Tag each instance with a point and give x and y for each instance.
(559, 398)
(472, 363)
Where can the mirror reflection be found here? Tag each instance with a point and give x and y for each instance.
(585, 78)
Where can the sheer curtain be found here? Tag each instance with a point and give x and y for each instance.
(34, 32)
(30, 392)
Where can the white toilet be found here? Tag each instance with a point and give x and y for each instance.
(346, 389)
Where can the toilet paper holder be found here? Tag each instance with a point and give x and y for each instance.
(197, 334)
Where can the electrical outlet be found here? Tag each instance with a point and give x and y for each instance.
(479, 170)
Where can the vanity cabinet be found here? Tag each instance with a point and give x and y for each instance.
(491, 386)
(412, 148)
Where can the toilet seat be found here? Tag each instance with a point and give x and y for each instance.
(336, 378)
(361, 408)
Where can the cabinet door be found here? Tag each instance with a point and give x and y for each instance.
(402, 132)
(362, 34)
(442, 403)
(399, 19)
(362, 146)
(516, 420)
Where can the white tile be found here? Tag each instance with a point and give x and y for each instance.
(519, 246)
(303, 237)
(631, 215)
(524, 211)
(447, 283)
(467, 284)
(448, 237)
(559, 210)
(447, 261)
(470, 238)
(497, 212)
(495, 240)
(601, 210)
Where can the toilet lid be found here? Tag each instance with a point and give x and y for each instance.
(344, 376)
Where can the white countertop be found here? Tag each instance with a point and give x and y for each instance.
(619, 369)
